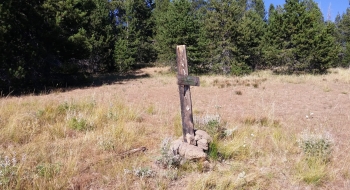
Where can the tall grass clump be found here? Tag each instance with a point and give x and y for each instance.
(213, 151)
(312, 170)
(235, 147)
(317, 149)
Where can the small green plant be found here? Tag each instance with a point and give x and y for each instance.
(238, 92)
(141, 172)
(168, 159)
(62, 108)
(48, 170)
(79, 124)
(8, 170)
(316, 145)
(71, 106)
(209, 123)
(263, 121)
(213, 151)
(212, 127)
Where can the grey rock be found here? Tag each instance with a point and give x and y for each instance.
(206, 166)
(200, 134)
(174, 146)
(191, 152)
(203, 144)
(190, 139)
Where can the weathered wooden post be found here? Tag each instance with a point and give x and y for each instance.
(184, 82)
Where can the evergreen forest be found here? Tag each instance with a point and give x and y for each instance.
(58, 43)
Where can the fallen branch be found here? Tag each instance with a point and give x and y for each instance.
(109, 158)
(133, 151)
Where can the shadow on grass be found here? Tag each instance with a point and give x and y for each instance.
(112, 78)
(64, 83)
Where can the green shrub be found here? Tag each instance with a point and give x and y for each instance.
(167, 159)
(316, 145)
(79, 124)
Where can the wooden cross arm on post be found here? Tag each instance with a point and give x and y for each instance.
(187, 80)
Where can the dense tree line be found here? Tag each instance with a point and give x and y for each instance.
(59, 42)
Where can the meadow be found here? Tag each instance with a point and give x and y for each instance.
(270, 132)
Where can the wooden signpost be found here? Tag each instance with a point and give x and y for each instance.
(184, 81)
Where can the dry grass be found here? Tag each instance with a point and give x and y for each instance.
(71, 137)
(74, 140)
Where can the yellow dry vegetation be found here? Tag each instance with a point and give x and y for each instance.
(76, 139)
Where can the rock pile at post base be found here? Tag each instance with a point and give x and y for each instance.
(194, 149)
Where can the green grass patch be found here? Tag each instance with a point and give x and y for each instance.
(80, 124)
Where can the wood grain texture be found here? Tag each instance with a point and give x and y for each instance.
(185, 93)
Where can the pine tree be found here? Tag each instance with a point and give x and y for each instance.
(143, 24)
(123, 55)
(160, 18)
(317, 39)
(221, 24)
(251, 32)
(22, 55)
(271, 10)
(259, 7)
(102, 34)
(133, 45)
(48, 42)
(181, 26)
(324, 52)
(298, 39)
(69, 21)
(343, 37)
(274, 39)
